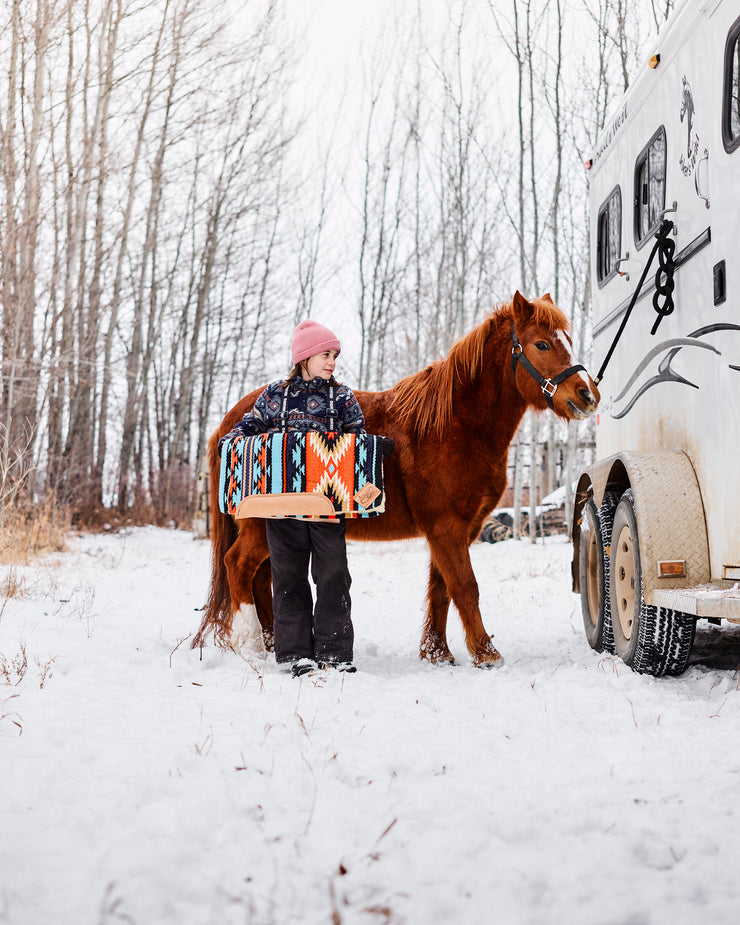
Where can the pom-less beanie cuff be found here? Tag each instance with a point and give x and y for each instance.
(311, 338)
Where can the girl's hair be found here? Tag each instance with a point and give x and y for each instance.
(297, 371)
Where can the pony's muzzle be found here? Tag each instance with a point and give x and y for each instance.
(587, 402)
(587, 397)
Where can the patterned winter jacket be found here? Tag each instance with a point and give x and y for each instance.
(308, 409)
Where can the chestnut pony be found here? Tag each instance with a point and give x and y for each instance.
(452, 423)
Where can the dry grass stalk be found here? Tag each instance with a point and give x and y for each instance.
(27, 531)
(13, 584)
(11, 716)
(12, 670)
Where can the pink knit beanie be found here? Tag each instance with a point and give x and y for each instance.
(311, 338)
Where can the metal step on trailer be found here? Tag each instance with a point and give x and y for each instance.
(710, 600)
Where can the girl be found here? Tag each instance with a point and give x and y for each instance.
(309, 399)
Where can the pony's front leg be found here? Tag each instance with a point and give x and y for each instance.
(434, 635)
(243, 562)
(453, 560)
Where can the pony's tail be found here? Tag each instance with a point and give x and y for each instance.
(217, 617)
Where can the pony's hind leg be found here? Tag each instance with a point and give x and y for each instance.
(262, 591)
(243, 561)
(434, 635)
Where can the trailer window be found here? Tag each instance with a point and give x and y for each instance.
(609, 237)
(650, 187)
(731, 97)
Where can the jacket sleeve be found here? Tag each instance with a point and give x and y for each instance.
(256, 421)
(350, 414)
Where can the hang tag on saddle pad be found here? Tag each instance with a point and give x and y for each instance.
(367, 494)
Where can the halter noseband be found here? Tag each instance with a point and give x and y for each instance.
(549, 386)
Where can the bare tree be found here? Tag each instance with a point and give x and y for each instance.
(19, 233)
(114, 212)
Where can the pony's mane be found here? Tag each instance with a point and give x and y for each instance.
(426, 398)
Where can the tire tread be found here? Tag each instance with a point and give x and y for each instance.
(665, 637)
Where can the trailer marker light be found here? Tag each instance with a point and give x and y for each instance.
(672, 568)
(654, 62)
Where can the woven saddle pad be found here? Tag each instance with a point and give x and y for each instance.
(313, 475)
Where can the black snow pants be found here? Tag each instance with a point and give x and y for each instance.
(324, 633)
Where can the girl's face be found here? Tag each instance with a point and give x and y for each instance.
(320, 365)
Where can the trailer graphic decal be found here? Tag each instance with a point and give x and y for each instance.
(687, 110)
(688, 161)
(665, 373)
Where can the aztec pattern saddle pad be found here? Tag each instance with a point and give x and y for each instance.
(312, 476)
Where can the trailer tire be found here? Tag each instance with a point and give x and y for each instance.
(606, 518)
(651, 640)
(594, 592)
(593, 571)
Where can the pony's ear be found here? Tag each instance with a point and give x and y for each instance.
(546, 298)
(522, 309)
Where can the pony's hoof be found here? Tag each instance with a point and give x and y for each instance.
(443, 660)
(489, 659)
(435, 650)
(489, 666)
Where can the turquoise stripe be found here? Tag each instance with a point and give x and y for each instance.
(225, 453)
(276, 463)
(360, 473)
(360, 462)
(247, 486)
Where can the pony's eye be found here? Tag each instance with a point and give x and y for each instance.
(541, 345)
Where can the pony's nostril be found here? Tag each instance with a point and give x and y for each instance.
(586, 397)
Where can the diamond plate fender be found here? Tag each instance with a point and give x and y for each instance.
(669, 511)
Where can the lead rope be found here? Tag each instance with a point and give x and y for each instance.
(665, 247)
(664, 284)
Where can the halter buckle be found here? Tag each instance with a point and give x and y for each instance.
(517, 349)
(547, 385)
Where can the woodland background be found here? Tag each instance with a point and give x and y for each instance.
(171, 204)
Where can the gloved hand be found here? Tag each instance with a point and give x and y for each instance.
(389, 446)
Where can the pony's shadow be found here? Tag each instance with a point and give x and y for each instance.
(716, 647)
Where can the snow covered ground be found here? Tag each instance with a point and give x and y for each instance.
(143, 783)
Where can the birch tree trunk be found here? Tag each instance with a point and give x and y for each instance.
(534, 466)
(11, 420)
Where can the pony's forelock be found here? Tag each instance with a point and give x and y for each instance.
(545, 314)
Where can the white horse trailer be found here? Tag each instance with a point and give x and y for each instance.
(656, 525)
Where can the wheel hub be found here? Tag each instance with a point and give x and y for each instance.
(593, 565)
(625, 581)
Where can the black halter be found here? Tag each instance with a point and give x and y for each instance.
(549, 386)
